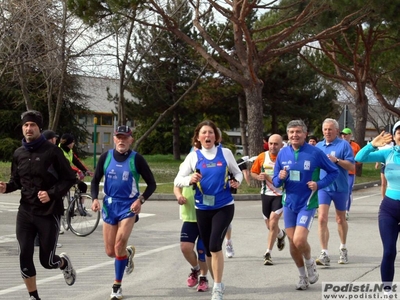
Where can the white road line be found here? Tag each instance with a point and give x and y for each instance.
(84, 270)
(367, 196)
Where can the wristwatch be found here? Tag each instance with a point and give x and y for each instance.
(141, 199)
(337, 161)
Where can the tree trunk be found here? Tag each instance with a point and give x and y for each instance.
(175, 136)
(361, 117)
(254, 106)
(243, 123)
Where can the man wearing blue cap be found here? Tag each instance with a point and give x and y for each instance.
(122, 203)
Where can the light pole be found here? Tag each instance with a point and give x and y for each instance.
(94, 141)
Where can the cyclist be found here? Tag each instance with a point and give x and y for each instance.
(67, 143)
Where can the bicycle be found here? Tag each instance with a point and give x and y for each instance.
(78, 215)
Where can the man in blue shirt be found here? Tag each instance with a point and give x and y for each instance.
(340, 153)
(297, 170)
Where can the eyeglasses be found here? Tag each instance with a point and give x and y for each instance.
(123, 128)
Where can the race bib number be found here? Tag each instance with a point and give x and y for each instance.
(294, 175)
(208, 200)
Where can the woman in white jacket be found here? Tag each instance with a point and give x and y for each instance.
(208, 171)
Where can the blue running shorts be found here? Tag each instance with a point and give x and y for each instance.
(302, 218)
(115, 211)
(340, 199)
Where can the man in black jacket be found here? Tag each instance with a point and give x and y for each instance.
(40, 170)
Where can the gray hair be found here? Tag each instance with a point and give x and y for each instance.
(330, 120)
(296, 123)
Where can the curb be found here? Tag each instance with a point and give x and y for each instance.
(253, 197)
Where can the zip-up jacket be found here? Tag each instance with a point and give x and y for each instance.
(44, 169)
(303, 165)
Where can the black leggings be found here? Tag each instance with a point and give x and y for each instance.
(81, 186)
(47, 227)
(213, 225)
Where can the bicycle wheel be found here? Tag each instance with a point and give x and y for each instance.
(81, 220)
(66, 201)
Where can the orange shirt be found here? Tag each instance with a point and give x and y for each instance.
(356, 147)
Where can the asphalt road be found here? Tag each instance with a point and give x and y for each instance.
(161, 271)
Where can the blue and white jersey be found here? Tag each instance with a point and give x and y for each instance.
(213, 190)
(121, 182)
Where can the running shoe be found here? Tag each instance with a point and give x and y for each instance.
(203, 284)
(343, 257)
(387, 292)
(280, 242)
(312, 272)
(69, 271)
(323, 259)
(303, 283)
(33, 298)
(193, 278)
(116, 292)
(130, 265)
(218, 294)
(229, 251)
(268, 259)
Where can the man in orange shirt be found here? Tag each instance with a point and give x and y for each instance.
(271, 197)
(346, 134)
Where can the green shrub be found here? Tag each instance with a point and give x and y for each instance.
(7, 148)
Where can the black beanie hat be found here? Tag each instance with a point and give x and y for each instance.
(32, 116)
(67, 139)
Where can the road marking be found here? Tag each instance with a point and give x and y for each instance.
(84, 270)
(367, 196)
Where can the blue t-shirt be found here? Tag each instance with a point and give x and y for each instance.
(341, 149)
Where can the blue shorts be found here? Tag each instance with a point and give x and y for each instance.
(114, 212)
(340, 199)
(190, 233)
(303, 218)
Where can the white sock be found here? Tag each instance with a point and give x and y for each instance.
(218, 286)
(280, 234)
(267, 251)
(229, 242)
(302, 271)
(196, 268)
(309, 262)
(325, 250)
(342, 246)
